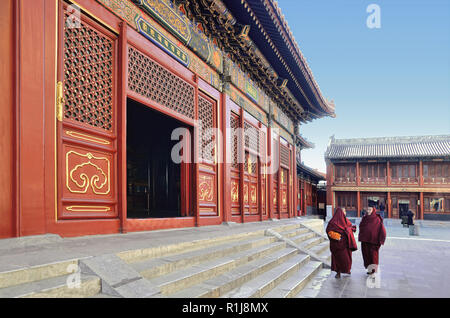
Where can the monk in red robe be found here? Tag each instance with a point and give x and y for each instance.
(372, 235)
(342, 242)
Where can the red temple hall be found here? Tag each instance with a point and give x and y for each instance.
(393, 174)
(98, 95)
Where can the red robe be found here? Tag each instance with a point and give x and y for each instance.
(372, 234)
(341, 251)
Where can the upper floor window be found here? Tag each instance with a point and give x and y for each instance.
(375, 170)
(345, 172)
(403, 170)
(436, 169)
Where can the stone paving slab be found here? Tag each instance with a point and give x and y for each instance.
(408, 268)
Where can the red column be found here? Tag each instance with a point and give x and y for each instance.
(8, 114)
(295, 182)
(388, 168)
(242, 164)
(421, 174)
(389, 202)
(122, 127)
(226, 175)
(358, 203)
(270, 176)
(421, 216)
(358, 176)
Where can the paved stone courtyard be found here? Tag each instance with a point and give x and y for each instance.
(410, 266)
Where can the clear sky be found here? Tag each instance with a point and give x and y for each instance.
(391, 81)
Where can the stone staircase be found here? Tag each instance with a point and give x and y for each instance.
(257, 265)
(49, 280)
(252, 264)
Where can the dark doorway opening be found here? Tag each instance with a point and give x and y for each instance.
(154, 180)
(404, 208)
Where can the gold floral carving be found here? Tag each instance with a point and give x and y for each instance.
(245, 193)
(253, 194)
(206, 189)
(234, 191)
(99, 181)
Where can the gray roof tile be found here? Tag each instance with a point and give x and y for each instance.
(389, 147)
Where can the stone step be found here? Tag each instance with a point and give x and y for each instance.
(55, 287)
(102, 295)
(133, 256)
(224, 283)
(295, 232)
(295, 283)
(176, 281)
(285, 228)
(138, 255)
(321, 248)
(261, 285)
(302, 237)
(161, 266)
(310, 243)
(36, 273)
(312, 289)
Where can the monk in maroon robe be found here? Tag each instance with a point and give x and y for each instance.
(342, 242)
(372, 235)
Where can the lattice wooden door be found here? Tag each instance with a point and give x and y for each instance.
(86, 129)
(207, 177)
(235, 173)
(251, 169)
(285, 179)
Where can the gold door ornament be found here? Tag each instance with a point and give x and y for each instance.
(253, 194)
(206, 189)
(234, 191)
(92, 172)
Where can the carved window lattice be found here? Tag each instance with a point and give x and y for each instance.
(206, 115)
(234, 124)
(88, 75)
(151, 80)
(275, 152)
(284, 155)
(251, 137)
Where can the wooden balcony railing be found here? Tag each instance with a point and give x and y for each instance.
(368, 181)
(345, 180)
(412, 180)
(436, 180)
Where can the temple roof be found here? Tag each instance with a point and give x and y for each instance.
(314, 174)
(272, 35)
(303, 143)
(389, 147)
(267, 51)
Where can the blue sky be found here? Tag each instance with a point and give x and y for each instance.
(392, 81)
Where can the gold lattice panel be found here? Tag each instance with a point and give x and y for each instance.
(152, 81)
(88, 76)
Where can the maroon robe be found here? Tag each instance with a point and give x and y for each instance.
(341, 251)
(372, 234)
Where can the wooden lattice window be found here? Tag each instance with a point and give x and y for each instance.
(251, 137)
(88, 74)
(206, 115)
(234, 124)
(152, 81)
(284, 155)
